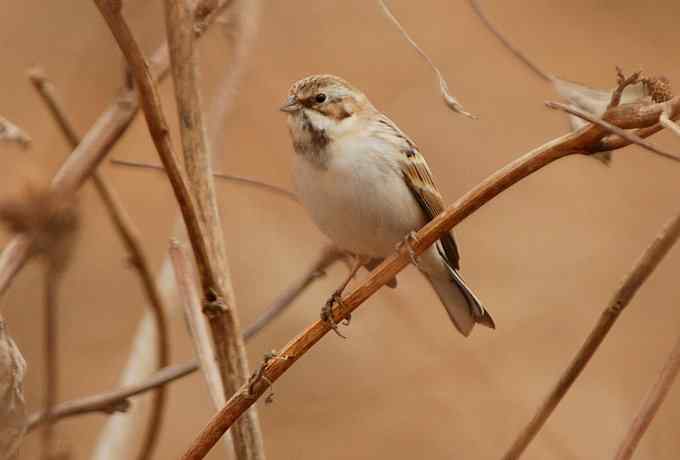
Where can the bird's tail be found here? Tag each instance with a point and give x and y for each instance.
(463, 307)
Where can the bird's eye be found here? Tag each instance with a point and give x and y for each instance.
(321, 97)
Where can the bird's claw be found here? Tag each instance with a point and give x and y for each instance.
(407, 242)
(327, 313)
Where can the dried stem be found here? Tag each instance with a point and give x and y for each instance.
(515, 51)
(629, 136)
(218, 297)
(117, 400)
(51, 353)
(650, 405)
(194, 315)
(584, 140)
(241, 180)
(106, 131)
(450, 101)
(642, 269)
(130, 236)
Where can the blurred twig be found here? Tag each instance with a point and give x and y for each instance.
(227, 177)
(117, 400)
(9, 132)
(130, 236)
(477, 8)
(51, 353)
(105, 132)
(642, 269)
(650, 405)
(219, 303)
(450, 101)
(114, 440)
(585, 140)
(199, 332)
(665, 120)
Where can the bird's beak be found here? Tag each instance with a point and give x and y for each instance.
(291, 105)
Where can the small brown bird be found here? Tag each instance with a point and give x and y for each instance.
(367, 186)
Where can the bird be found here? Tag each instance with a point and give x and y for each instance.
(367, 186)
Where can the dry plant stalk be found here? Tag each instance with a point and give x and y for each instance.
(130, 236)
(50, 220)
(219, 303)
(115, 438)
(117, 400)
(193, 312)
(642, 269)
(587, 140)
(240, 180)
(12, 403)
(450, 101)
(650, 405)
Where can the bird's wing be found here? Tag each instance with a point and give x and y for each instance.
(419, 179)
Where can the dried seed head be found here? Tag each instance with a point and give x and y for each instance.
(659, 88)
(49, 218)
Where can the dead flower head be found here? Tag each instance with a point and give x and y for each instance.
(50, 219)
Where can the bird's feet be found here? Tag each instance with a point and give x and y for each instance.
(408, 243)
(327, 313)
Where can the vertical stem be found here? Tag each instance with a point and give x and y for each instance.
(218, 298)
(51, 354)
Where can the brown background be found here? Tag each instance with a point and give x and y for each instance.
(544, 257)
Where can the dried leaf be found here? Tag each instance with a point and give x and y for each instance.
(12, 404)
(450, 101)
(595, 102)
(9, 132)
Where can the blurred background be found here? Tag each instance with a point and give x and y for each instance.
(545, 256)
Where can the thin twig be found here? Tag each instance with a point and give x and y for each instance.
(515, 51)
(650, 405)
(199, 332)
(51, 352)
(130, 236)
(450, 101)
(106, 131)
(573, 143)
(629, 136)
(117, 400)
(642, 269)
(219, 304)
(227, 177)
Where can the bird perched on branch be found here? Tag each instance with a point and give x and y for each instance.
(367, 187)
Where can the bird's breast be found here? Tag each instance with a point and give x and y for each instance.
(359, 199)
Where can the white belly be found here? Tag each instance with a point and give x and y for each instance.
(363, 206)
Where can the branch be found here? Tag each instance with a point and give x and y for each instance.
(194, 316)
(650, 405)
(51, 355)
(583, 140)
(613, 129)
(642, 269)
(450, 101)
(107, 130)
(227, 177)
(219, 303)
(476, 7)
(117, 400)
(130, 236)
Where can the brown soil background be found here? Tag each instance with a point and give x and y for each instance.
(545, 256)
